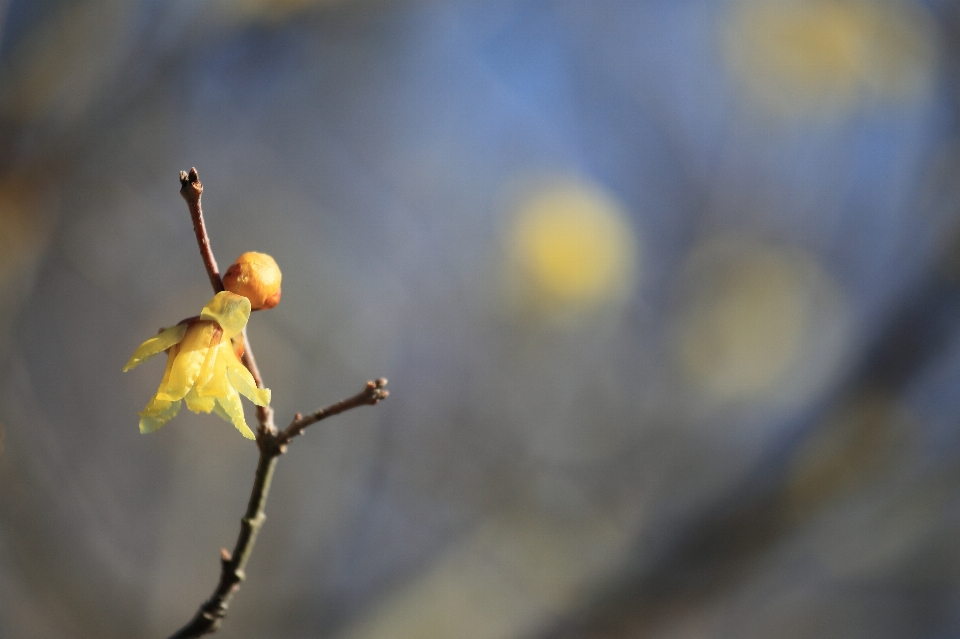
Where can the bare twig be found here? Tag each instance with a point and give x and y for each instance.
(271, 444)
(191, 189)
(371, 394)
(264, 413)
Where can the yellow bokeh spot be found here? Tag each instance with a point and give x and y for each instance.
(747, 315)
(822, 56)
(572, 249)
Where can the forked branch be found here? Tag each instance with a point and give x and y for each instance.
(272, 444)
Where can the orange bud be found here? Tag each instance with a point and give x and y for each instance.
(256, 276)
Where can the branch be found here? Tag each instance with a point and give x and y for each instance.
(371, 394)
(191, 189)
(264, 413)
(211, 613)
(271, 445)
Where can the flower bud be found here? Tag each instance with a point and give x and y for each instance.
(256, 276)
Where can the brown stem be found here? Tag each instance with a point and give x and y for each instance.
(211, 613)
(271, 444)
(371, 394)
(191, 189)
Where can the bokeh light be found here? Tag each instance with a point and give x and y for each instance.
(571, 251)
(506, 579)
(751, 316)
(826, 56)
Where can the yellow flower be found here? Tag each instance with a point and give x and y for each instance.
(202, 366)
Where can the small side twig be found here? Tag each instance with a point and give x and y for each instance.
(372, 393)
(272, 444)
(232, 569)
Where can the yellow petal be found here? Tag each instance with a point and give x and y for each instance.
(228, 310)
(157, 405)
(157, 414)
(197, 403)
(233, 412)
(208, 369)
(219, 412)
(191, 353)
(171, 358)
(242, 380)
(217, 384)
(156, 344)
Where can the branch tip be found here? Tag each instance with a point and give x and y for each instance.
(190, 185)
(376, 391)
(373, 392)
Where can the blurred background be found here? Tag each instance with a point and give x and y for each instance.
(668, 293)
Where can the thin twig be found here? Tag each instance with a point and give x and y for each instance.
(264, 413)
(271, 444)
(371, 394)
(191, 189)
